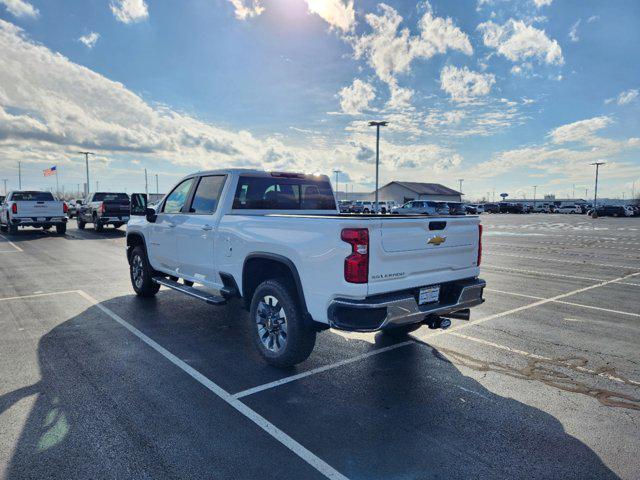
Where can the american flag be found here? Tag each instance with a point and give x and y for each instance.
(50, 171)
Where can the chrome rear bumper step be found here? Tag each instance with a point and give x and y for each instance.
(192, 292)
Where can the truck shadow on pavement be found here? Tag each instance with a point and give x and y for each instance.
(108, 406)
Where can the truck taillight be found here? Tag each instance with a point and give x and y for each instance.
(356, 265)
(14, 208)
(65, 207)
(103, 208)
(479, 244)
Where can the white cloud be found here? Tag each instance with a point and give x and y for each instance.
(593, 18)
(20, 8)
(337, 13)
(400, 98)
(581, 131)
(627, 96)
(90, 39)
(129, 11)
(518, 42)
(390, 51)
(573, 33)
(244, 9)
(542, 3)
(463, 84)
(356, 97)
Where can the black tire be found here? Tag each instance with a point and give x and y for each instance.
(97, 226)
(61, 229)
(299, 338)
(402, 331)
(46, 227)
(81, 223)
(3, 228)
(13, 229)
(141, 274)
(188, 283)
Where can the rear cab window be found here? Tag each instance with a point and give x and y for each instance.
(32, 197)
(283, 192)
(110, 197)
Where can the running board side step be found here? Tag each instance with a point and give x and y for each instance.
(192, 292)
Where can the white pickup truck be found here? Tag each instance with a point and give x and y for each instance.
(32, 209)
(278, 242)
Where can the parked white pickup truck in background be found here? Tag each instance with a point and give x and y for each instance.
(277, 241)
(33, 209)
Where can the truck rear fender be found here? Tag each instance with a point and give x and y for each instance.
(261, 266)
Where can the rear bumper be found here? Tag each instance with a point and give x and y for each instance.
(401, 308)
(33, 222)
(114, 219)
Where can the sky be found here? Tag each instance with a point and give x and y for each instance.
(504, 95)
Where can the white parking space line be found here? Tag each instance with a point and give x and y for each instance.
(324, 368)
(620, 312)
(295, 447)
(544, 274)
(420, 339)
(18, 249)
(628, 283)
(600, 373)
(34, 295)
(557, 246)
(553, 260)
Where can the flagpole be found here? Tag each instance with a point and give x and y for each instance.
(57, 184)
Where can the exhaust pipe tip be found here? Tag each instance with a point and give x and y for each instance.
(460, 314)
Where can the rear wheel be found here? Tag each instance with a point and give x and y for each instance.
(3, 228)
(141, 274)
(81, 224)
(13, 229)
(97, 226)
(282, 334)
(61, 229)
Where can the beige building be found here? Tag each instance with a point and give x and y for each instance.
(402, 192)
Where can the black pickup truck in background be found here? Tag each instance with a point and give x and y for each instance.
(104, 208)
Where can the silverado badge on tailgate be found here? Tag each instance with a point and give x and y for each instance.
(437, 240)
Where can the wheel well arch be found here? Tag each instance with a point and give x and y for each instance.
(134, 240)
(261, 266)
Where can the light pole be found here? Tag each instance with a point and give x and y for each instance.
(460, 180)
(19, 175)
(86, 161)
(5, 185)
(535, 187)
(377, 125)
(157, 189)
(595, 195)
(337, 172)
(146, 183)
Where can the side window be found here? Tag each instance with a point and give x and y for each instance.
(205, 200)
(175, 200)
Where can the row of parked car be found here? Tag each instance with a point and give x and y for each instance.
(431, 207)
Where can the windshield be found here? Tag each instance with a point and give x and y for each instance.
(110, 197)
(283, 193)
(32, 197)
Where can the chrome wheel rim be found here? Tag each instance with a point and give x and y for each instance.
(272, 324)
(137, 271)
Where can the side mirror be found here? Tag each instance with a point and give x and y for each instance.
(138, 204)
(151, 215)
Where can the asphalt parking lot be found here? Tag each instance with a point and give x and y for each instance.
(543, 382)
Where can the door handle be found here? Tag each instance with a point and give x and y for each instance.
(207, 227)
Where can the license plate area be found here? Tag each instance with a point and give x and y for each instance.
(41, 219)
(429, 294)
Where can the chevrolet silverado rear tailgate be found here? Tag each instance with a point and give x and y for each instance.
(38, 209)
(409, 252)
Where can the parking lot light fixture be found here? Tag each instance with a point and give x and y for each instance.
(337, 172)
(595, 194)
(86, 160)
(377, 125)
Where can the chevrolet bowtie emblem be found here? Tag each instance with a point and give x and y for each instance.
(437, 240)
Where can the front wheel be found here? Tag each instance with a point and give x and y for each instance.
(141, 274)
(13, 229)
(282, 334)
